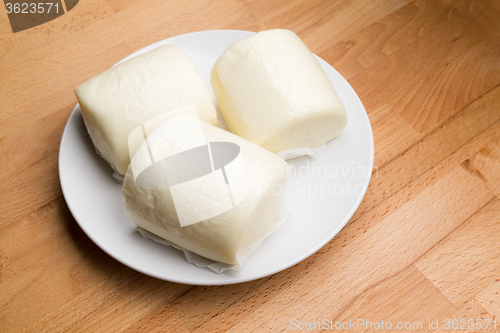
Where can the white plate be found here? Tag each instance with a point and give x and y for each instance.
(324, 193)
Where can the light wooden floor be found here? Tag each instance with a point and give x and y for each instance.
(423, 245)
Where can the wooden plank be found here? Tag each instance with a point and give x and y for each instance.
(460, 321)
(32, 143)
(468, 259)
(485, 13)
(486, 166)
(344, 19)
(4, 21)
(489, 299)
(432, 149)
(160, 320)
(27, 41)
(295, 15)
(372, 44)
(29, 190)
(81, 279)
(405, 299)
(58, 66)
(166, 20)
(392, 135)
(386, 249)
(394, 202)
(202, 304)
(449, 61)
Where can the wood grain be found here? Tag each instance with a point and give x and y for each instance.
(433, 148)
(423, 245)
(489, 298)
(471, 309)
(464, 263)
(486, 166)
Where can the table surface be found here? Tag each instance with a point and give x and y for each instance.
(424, 244)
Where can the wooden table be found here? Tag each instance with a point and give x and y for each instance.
(423, 246)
